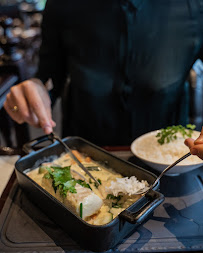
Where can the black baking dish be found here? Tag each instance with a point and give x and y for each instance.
(90, 237)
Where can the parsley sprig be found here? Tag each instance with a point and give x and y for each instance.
(63, 180)
(170, 133)
(116, 199)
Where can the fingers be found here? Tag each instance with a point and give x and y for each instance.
(195, 149)
(53, 123)
(199, 140)
(23, 114)
(33, 103)
(40, 104)
(190, 143)
(8, 107)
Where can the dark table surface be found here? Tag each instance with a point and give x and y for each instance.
(175, 226)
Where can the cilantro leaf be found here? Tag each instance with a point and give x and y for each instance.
(61, 175)
(99, 181)
(69, 186)
(116, 199)
(111, 196)
(170, 133)
(62, 180)
(83, 183)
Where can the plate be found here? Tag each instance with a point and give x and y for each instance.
(158, 157)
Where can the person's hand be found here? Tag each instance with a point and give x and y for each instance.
(196, 146)
(29, 102)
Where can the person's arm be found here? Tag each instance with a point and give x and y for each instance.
(29, 101)
(196, 146)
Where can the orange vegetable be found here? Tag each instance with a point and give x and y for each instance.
(78, 155)
(87, 159)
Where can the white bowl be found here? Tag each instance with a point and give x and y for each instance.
(147, 149)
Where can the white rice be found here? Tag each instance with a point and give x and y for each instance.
(148, 148)
(126, 185)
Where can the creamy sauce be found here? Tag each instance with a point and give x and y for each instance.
(110, 207)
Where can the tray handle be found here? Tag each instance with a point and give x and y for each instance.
(154, 200)
(29, 146)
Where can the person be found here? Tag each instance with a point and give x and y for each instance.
(196, 146)
(119, 65)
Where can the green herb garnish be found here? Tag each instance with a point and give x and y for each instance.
(170, 133)
(67, 186)
(116, 205)
(117, 199)
(111, 196)
(62, 180)
(83, 183)
(99, 181)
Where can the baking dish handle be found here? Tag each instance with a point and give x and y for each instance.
(29, 146)
(154, 199)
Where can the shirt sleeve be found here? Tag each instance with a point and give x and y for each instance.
(52, 63)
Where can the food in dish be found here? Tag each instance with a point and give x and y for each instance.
(148, 148)
(68, 183)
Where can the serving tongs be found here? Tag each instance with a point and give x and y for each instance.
(56, 137)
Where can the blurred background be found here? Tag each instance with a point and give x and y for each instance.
(20, 39)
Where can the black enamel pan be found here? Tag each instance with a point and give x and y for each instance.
(89, 237)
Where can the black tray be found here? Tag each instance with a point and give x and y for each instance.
(176, 225)
(90, 237)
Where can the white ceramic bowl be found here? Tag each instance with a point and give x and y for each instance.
(159, 156)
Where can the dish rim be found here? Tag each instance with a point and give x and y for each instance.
(133, 149)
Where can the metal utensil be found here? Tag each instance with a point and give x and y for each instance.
(56, 137)
(146, 189)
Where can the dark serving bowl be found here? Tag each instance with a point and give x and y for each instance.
(90, 237)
